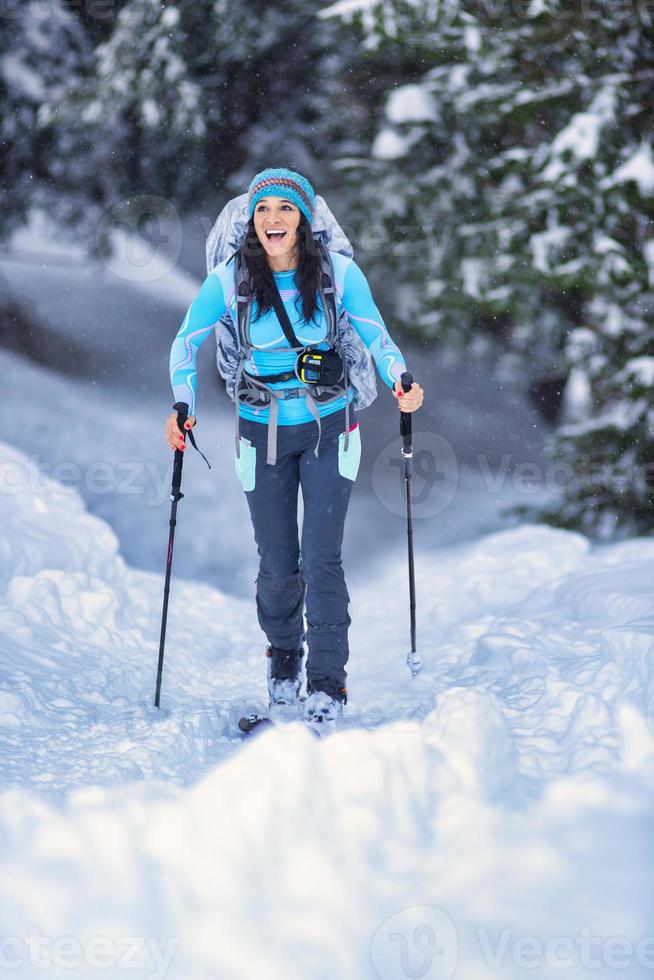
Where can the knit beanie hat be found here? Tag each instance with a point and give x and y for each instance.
(280, 182)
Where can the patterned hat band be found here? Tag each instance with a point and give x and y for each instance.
(279, 182)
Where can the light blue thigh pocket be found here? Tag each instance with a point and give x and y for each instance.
(246, 466)
(348, 462)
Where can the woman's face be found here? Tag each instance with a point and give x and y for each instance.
(276, 222)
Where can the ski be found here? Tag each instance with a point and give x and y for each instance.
(254, 722)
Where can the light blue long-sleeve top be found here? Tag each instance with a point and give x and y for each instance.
(217, 295)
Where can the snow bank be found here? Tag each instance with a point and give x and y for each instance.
(490, 816)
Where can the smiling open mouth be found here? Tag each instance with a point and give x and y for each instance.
(275, 236)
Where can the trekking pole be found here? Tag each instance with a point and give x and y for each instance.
(413, 659)
(175, 495)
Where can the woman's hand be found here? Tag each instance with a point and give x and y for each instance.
(174, 437)
(408, 401)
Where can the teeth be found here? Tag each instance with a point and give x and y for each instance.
(280, 232)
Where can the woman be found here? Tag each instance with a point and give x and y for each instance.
(276, 456)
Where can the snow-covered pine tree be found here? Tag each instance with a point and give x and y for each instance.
(42, 50)
(124, 124)
(520, 161)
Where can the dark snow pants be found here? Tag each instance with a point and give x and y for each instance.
(292, 571)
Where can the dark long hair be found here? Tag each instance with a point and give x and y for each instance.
(307, 275)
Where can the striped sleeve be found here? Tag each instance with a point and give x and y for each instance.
(368, 323)
(207, 307)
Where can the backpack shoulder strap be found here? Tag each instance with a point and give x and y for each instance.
(328, 293)
(243, 302)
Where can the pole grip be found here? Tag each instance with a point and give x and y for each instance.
(182, 415)
(405, 419)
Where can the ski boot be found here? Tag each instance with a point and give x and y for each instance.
(284, 682)
(323, 711)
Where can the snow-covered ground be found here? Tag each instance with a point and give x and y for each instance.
(490, 817)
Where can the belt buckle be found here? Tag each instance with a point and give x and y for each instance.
(290, 393)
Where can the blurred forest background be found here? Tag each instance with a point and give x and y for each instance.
(493, 160)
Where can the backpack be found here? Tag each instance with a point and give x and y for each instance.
(233, 340)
